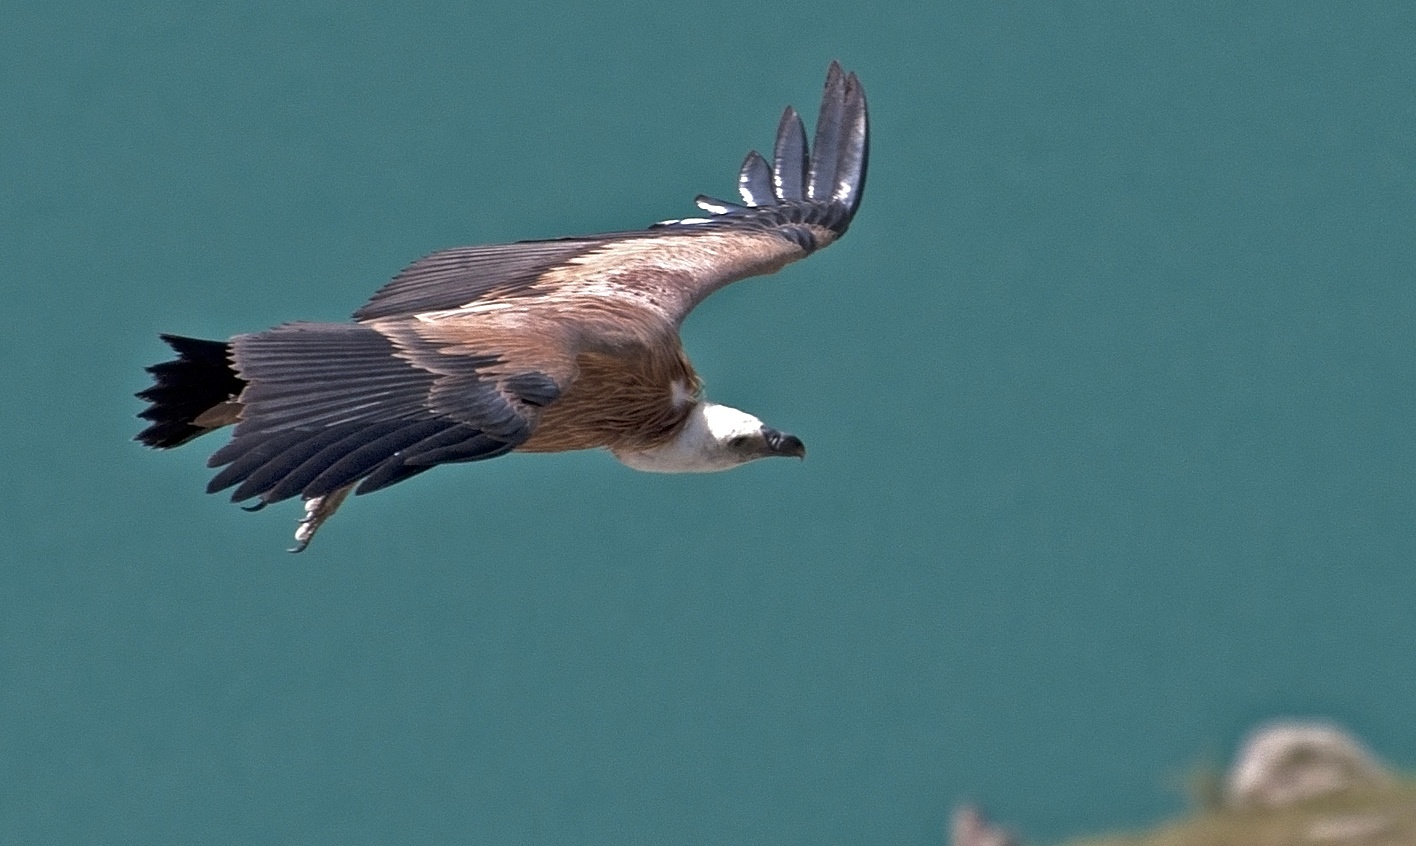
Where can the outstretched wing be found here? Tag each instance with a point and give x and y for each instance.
(327, 405)
(801, 201)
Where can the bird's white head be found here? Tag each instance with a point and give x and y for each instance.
(715, 437)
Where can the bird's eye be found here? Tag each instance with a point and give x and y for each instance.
(738, 441)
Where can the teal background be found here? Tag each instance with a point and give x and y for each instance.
(1109, 397)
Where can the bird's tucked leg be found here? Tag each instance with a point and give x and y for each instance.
(317, 510)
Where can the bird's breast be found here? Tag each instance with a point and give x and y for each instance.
(631, 399)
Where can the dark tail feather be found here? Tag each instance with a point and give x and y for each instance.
(198, 380)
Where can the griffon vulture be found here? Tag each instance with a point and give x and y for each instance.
(536, 346)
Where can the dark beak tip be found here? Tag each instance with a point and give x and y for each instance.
(782, 444)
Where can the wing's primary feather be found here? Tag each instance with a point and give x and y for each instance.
(826, 147)
(755, 181)
(813, 194)
(854, 148)
(789, 157)
(820, 187)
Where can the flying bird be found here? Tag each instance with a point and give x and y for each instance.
(534, 346)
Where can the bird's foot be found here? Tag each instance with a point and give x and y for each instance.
(317, 510)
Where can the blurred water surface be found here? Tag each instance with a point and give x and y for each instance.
(1109, 396)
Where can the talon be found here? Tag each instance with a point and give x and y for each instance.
(254, 508)
(317, 510)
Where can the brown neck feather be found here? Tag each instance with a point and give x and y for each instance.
(623, 400)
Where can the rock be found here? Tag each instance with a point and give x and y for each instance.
(1349, 827)
(969, 827)
(1285, 763)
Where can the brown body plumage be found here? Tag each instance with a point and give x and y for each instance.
(631, 401)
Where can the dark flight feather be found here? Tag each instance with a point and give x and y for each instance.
(362, 461)
(826, 147)
(451, 446)
(789, 157)
(821, 186)
(755, 181)
(244, 457)
(294, 469)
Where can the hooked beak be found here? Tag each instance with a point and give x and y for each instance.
(782, 444)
